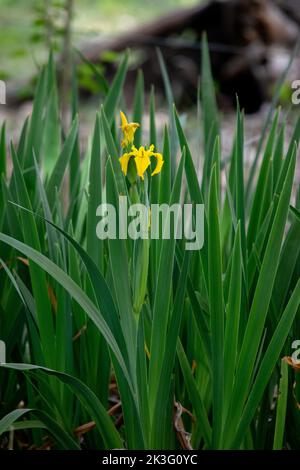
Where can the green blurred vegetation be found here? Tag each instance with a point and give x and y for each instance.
(22, 32)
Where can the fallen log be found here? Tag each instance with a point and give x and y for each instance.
(240, 33)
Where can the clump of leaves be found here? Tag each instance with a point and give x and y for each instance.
(213, 324)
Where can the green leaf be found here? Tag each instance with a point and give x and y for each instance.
(170, 100)
(59, 169)
(281, 407)
(153, 137)
(38, 278)
(274, 102)
(163, 391)
(3, 150)
(162, 296)
(35, 129)
(10, 418)
(74, 290)
(239, 180)
(52, 131)
(195, 396)
(115, 90)
(260, 186)
(96, 72)
(89, 400)
(210, 113)
(138, 107)
(59, 434)
(94, 245)
(260, 306)
(216, 308)
(120, 272)
(267, 364)
(233, 319)
(113, 153)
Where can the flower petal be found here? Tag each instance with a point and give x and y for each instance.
(128, 129)
(123, 119)
(142, 163)
(124, 160)
(159, 163)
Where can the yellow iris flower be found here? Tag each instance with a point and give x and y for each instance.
(128, 129)
(142, 160)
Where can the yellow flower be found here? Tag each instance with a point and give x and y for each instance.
(128, 129)
(142, 160)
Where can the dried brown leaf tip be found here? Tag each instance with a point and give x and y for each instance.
(294, 364)
(183, 436)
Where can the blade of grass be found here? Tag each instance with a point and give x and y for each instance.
(162, 297)
(170, 101)
(3, 157)
(73, 289)
(138, 107)
(115, 90)
(210, 113)
(274, 102)
(281, 407)
(260, 305)
(59, 169)
(267, 364)
(232, 319)
(57, 431)
(87, 397)
(216, 308)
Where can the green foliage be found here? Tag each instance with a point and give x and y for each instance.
(115, 331)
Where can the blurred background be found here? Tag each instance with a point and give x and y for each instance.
(250, 41)
(28, 26)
